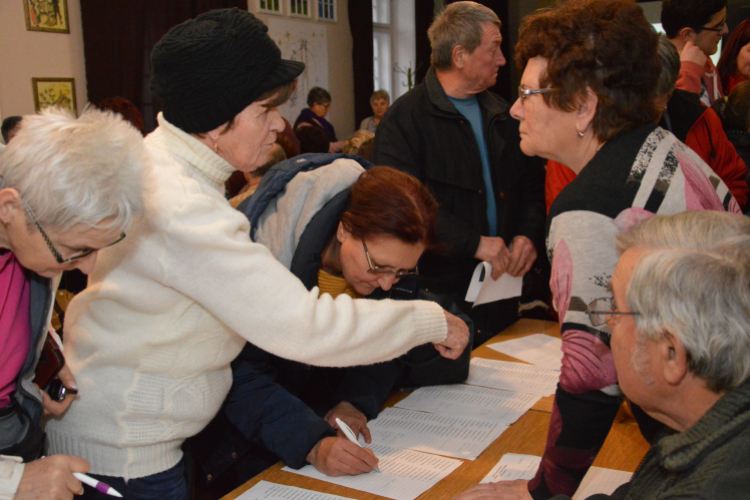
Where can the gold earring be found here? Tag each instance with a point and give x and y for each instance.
(216, 147)
(580, 135)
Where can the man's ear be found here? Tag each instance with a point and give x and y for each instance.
(9, 200)
(457, 56)
(586, 110)
(674, 358)
(687, 34)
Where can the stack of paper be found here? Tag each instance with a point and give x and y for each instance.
(271, 491)
(452, 436)
(538, 349)
(405, 474)
(509, 376)
(467, 401)
(597, 480)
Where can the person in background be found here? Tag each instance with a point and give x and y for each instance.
(734, 111)
(734, 65)
(683, 114)
(695, 27)
(319, 102)
(599, 120)
(379, 102)
(360, 234)
(458, 138)
(681, 356)
(127, 109)
(165, 313)
(69, 187)
(10, 128)
(253, 178)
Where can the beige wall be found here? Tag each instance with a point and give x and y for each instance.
(340, 72)
(26, 54)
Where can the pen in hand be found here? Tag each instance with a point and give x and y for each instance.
(349, 433)
(98, 485)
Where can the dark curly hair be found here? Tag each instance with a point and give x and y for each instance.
(727, 66)
(605, 45)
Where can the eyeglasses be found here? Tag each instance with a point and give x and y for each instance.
(524, 93)
(382, 271)
(601, 310)
(718, 28)
(58, 256)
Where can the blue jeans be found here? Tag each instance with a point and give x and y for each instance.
(170, 484)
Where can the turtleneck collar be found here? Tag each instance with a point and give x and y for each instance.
(209, 165)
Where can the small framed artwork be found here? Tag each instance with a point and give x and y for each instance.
(54, 92)
(46, 15)
(326, 10)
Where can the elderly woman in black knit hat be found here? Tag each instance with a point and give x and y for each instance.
(151, 339)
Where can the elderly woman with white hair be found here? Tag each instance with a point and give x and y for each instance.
(68, 188)
(152, 337)
(681, 347)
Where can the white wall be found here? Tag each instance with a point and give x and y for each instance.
(340, 71)
(26, 54)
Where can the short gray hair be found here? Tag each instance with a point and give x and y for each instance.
(69, 171)
(461, 23)
(702, 297)
(670, 66)
(380, 94)
(695, 284)
(694, 230)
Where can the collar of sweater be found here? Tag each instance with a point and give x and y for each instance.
(215, 169)
(721, 423)
(492, 103)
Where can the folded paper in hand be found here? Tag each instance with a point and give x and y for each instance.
(483, 289)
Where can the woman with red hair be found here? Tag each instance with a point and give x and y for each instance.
(734, 65)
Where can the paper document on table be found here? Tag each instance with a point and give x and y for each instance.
(272, 491)
(510, 376)
(598, 480)
(538, 349)
(513, 466)
(440, 434)
(405, 474)
(467, 401)
(483, 289)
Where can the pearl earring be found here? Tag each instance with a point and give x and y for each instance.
(580, 135)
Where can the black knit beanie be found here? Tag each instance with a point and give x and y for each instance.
(208, 69)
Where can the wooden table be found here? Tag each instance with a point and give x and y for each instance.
(623, 449)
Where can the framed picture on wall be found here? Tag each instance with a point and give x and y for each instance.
(54, 92)
(46, 15)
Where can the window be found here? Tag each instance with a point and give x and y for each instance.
(381, 45)
(394, 46)
(300, 8)
(327, 10)
(270, 6)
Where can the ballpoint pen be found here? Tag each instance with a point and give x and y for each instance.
(98, 485)
(349, 433)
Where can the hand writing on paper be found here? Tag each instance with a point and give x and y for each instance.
(522, 256)
(456, 340)
(502, 490)
(337, 456)
(354, 418)
(493, 250)
(51, 478)
(693, 53)
(53, 407)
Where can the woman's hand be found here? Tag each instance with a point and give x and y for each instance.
(502, 490)
(58, 408)
(51, 478)
(337, 456)
(456, 340)
(352, 417)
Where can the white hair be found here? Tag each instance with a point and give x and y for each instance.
(70, 171)
(690, 230)
(696, 285)
(702, 297)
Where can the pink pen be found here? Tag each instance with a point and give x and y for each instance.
(104, 488)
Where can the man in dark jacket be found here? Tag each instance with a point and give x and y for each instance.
(458, 139)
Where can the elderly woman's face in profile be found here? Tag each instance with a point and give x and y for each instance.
(247, 144)
(545, 131)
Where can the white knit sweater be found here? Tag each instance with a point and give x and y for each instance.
(151, 338)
